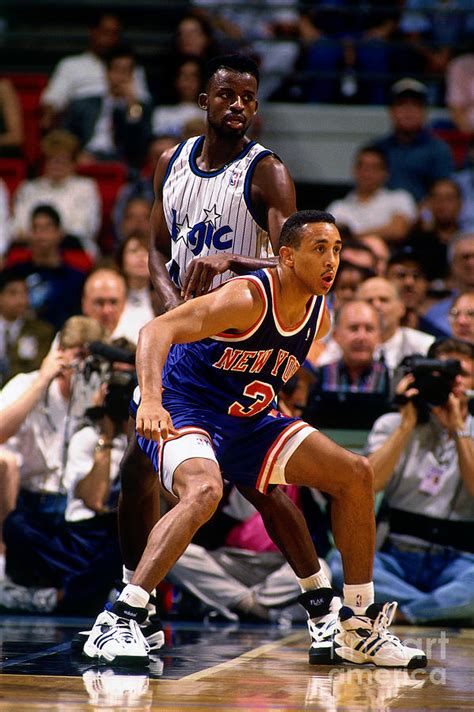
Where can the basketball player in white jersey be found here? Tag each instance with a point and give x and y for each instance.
(221, 200)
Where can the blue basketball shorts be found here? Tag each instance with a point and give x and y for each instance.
(249, 451)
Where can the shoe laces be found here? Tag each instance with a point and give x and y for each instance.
(128, 631)
(384, 620)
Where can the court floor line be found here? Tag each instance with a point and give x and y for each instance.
(34, 656)
(255, 653)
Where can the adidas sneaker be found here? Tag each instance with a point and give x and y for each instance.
(365, 639)
(322, 606)
(115, 639)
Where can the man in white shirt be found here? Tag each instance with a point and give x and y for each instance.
(397, 341)
(371, 208)
(84, 74)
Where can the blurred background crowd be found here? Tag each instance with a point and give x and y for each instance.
(89, 101)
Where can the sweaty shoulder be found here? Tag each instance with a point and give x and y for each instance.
(245, 297)
(162, 167)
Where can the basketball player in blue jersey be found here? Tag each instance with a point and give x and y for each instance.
(221, 201)
(208, 373)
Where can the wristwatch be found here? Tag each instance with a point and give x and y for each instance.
(462, 434)
(103, 444)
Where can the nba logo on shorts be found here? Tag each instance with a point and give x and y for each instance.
(234, 177)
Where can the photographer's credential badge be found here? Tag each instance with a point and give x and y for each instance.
(433, 476)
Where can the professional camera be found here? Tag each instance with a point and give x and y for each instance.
(434, 380)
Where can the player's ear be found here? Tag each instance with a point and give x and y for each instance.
(287, 255)
(256, 106)
(202, 101)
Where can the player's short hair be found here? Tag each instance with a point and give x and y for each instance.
(236, 62)
(291, 232)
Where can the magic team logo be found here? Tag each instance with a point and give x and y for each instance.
(206, 233)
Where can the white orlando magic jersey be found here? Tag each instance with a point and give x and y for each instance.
(208, 212)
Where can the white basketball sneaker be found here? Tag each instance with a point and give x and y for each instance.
(322, 606)
(365, 639)
(114, 639)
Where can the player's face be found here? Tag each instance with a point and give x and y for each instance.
(316, 260)
(231, 102)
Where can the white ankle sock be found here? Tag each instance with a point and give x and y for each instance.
(318, 580)
(134, 596)
(127, 574)
(358, 595)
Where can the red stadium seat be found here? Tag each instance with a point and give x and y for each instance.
(110, 176)
(29, 88)
(458, 142)
(13, 172)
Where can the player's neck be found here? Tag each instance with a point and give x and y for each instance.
(291, 298)
(218, 152)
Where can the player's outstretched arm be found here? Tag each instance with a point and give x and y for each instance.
(273, 194)
(237, 306)
(160, 241)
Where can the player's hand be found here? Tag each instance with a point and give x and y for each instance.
(201, 272)
(153, 421)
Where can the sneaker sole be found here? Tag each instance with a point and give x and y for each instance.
(91, 652)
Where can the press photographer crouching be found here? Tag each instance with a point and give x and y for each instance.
(423, 459)
(68, 564)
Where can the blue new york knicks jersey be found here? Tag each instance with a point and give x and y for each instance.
(240, 374)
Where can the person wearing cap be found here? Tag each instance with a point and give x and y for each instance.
(415, 157)
(406, 269)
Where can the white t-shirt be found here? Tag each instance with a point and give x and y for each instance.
(363, 216)
(84, 75)
(79, 463)
(39, 443)
(77, 200)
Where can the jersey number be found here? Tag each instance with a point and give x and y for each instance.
(263, 394)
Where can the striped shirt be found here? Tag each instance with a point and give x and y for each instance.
(209, 212)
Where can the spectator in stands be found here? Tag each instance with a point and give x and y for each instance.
(24, 340)
(113, 125)
(104, 298)
(76, 198)
(37, 422)
(380, 249)
(359, 255)
(188, 84)
(135, 218)
(397, 341)
(461, 317)
(460, 91)
(415, 157)
(433, 30)
(356, 382)
(77, 566)
(343, 39)
(406, 269)
(439, 225)
(84, 74)
(54, 285)
(132, 261)
(11, 121)
(426, 470)
(465, 180)
(370, 207)
(141, 187)
(461, 262)
(235, 569)
(4, 220)
(46, 235)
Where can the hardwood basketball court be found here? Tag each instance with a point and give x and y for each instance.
(223, 668)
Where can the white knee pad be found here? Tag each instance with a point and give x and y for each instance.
(184, 447)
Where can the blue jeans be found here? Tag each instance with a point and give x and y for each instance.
(428, 586)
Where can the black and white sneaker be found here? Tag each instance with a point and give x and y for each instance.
(116, 640)
(365, 639)
(322, 606)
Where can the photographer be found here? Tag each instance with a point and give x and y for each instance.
(79, 560)
(423, 458)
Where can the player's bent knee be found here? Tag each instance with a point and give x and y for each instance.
(363, 473)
